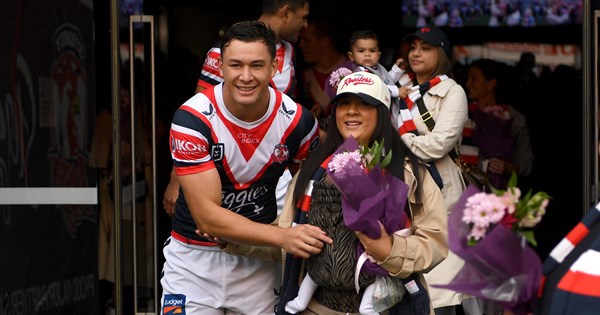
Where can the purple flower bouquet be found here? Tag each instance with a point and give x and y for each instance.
(499, 265)
(492, 136)
(369, 194)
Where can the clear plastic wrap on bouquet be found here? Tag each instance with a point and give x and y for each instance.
(501, 267)
(389, 291)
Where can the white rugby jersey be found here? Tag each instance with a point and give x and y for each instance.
(250, 157)
(282, 81)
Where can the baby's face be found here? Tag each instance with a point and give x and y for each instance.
(365, 52)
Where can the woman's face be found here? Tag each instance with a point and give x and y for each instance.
(355, 118)
(423, 58)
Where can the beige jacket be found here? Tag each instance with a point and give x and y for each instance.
(417, 253)
(447, 103)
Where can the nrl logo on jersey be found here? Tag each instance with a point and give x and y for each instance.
(280, 153)
(216, 151)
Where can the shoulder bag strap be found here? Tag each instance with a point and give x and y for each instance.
(425, 114)
(430, 123)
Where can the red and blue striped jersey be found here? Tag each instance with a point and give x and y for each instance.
(249, 156)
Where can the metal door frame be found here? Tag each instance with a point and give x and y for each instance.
(118, 196)
(150, 20)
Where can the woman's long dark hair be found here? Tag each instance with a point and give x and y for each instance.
(384, 130)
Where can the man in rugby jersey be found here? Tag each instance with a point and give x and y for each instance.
(230, 144)
(286, 18)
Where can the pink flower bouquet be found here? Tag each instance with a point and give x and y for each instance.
(335, 77)
(490, 233)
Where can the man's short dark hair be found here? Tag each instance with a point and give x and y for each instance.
(251, 31)
(272, 6)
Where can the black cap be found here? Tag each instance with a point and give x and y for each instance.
(431, 35)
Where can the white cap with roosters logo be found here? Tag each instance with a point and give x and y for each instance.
(368, 86)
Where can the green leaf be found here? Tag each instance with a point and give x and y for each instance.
(529, 237)
(386, 161)
(497, 192)
(512, 182)
(376, 151)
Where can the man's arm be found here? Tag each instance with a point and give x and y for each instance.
(203, 196)
(199, 88)
(171, 194)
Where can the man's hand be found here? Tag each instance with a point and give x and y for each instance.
(171, 195)
(304, 240)
(500, 166)
(301, 240)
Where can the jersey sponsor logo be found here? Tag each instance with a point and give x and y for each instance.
(212, 61)
(244, 202)
(217, 151)
(186, 147)
(174, 304)
(280, 153)
(247, 138)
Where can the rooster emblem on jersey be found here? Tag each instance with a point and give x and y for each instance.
(280, 153)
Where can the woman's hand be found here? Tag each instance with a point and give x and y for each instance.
(379, 248)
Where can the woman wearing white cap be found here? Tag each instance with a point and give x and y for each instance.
(361, 111)
(430, 121)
